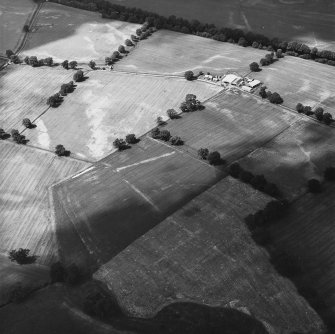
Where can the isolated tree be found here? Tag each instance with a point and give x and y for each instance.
(122, 49)
(214, 158)
(92, 64)
(276, 98)
(131, 139)
(165, 135)
(319, 113)
(327, 118)
(120, 144)
(27, 123)
(73, 64)
(189, 75)
(65, 64)
(9, 53)
(172, 114)
(329, 174)
(78, 76)
(128, 42)
(177, 141)
(254, 67)
(203, 153)
(314, 186)
(60, 150)
(299, 108)
(21, 256)
(235, 169)
(57, 272)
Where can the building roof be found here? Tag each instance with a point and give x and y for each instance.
(254, 83)
(246, 88)
(229, 78)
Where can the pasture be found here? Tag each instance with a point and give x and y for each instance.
(24, 92)
(204, 253)
(26, 218)
(233, 123)
(14, 14)
(299, 80)
(298, 154)
(102, 210)
(69, 33)
(108, 106)
(312, 22)
(172, 52)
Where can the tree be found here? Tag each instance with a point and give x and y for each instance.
(134, 38)
(327, 118)
(57, 272)
(189, 75)
(160, 121)
(9, 53)
(27, 123)
(319, 113)
(33, 61)
(40, 62)
(21, 256)
(65, 64)
(254, 67)
(214, 158)
(73, 64)
(264, 62)
(308, 110)
(116, 55)
(235, 169)
(242, 42)
(15, 59)
(203, 153)
(165, 135)
(172, 114)
(3, 134)
(279, 53)
(299, 108)
(177, 141)
(255, 45)
(26, 60)
(92, 64)
(108, 61)
(128, 42)
(48, 61)
(120, 144)
(131, 139)
(25, 28)
(314, 186)
(17, 137)
(122, 49)
(78, 76)
(276, 98)
(138, 32)
(262, 92)
(54, 100)
(155, 133)
(60, 150)
(329, 174)
(246, 176)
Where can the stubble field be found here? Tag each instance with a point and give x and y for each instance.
(108, 106)
(299, 80)
(26, 217)
(69, 33)
(204, 253)
(172, 52)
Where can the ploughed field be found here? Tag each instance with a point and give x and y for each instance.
(14, 14)
(312, 22)
(102, 210)
(111, 105)
(299, 80)
(233, 123)
(25, 215)
(300, 153)
(204, 253)
(24, 91)
(172, 52)
(69, 33)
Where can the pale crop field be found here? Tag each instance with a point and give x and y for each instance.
(111, 105)
(172, 52)
(14, 14)
(63, 33)
(298, 154)
(25, 214)
(299, 80)
(24, 91)
(233, 123)
(204, 253)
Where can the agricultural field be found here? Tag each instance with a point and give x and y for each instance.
(111, 105)
(69, 33)
(204, 253)
(312, 22)
(299, 80)
(233, 123)
(25, 214)
(103, 209)
(24, 91)
(14, 14)
(172, 52)
(300, 153)
(307, 235)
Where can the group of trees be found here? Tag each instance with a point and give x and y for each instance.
(165, 135)
(69, 65)
(13, 57)
(123, 144)
(191, 104)
(136, 15)
(17, 137)
(268, 60)
(34, 62)
(258, 182)
(319, 113)
(21, 256)
(272, 97)
(67, 88)
(27, 123)
(61, 151)
(214, 158)
(54, 100)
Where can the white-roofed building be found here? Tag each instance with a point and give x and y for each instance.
(254, 83)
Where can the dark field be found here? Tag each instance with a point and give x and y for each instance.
(311, 21)
(112, 204)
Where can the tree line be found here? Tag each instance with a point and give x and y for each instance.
(195, 27)
(318, 113)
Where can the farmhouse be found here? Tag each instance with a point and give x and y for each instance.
(231, 79)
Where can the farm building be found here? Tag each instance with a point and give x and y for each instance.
(232, 79)
(254, 83)
(246, 89)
